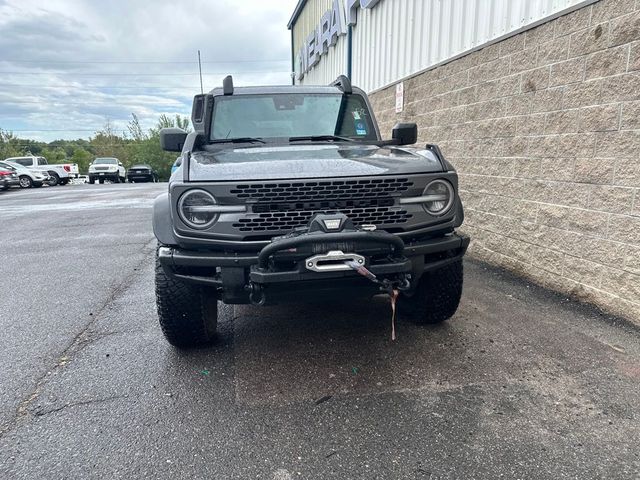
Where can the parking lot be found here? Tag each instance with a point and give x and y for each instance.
(521, 383)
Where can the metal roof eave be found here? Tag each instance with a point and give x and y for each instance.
(296, 13)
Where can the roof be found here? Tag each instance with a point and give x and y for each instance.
(296, 13)
(279, 89)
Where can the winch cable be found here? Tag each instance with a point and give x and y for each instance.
(386, 284)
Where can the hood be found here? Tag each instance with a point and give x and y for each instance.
(309, 161)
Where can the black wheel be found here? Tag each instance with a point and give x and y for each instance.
(116, 180)
(25, 181)
(92, 180)
(437, 296)
(54, 179)
(188, 313)
(101, 181)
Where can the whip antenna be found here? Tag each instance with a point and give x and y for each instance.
(200, 69)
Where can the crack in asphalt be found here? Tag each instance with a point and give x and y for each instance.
(81, 340)
(42, 413)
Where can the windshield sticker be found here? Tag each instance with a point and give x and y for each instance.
(361, 128)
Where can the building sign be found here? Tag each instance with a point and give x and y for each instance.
(333, 24)
(399, 97)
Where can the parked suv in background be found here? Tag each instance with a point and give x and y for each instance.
(26, 177)
(107, 168)
(290, 192)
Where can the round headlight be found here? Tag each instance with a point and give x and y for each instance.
(438, 197)
(195, 208)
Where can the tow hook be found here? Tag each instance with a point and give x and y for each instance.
(402, 282)
(256, 294)
(390, 287)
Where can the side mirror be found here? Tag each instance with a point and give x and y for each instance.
(172, 139)
(404, 133)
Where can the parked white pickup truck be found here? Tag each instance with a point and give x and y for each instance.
(60, 174)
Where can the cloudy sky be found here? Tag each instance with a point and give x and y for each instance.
(68, 66)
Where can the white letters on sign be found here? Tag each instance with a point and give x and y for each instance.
(333, 24)
(399, 97)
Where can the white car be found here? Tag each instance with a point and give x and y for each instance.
(107, 168)
(27, 177)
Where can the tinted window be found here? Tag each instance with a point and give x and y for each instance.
(23, 161)
(42, 161)
(291, 115)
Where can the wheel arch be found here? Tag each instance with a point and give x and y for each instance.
(162, 224)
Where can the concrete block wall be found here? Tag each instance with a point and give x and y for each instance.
(544, 130)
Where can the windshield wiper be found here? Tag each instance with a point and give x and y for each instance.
(320, 138)
(238, 140)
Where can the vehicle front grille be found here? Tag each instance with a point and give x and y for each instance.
(101, 168)
(287, 220)
(321, 190)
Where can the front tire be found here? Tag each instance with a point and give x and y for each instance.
(188, 313)
(25, 182)
(437, 296)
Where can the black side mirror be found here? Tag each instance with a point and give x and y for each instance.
(404, 133)
(172, 139)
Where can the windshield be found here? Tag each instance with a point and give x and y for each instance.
(107, 161)
(291, 115)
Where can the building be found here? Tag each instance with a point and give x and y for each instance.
(536, 103)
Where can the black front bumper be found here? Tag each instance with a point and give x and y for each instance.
(282, 262)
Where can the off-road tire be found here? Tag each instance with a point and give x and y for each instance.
(92, 181)
(436, 298)
(101, 181)
(188, 313)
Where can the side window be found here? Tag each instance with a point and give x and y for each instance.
(42, 161)
(25, 162)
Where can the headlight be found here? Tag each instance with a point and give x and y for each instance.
(195, 208)
(438, 197)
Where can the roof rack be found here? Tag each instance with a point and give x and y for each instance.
(343, 83)
(227, 85)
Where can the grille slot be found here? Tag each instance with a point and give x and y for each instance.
(287, 220)
(304, 191)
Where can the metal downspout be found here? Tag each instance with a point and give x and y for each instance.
(349, 50)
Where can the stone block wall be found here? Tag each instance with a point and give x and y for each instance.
(544, 130)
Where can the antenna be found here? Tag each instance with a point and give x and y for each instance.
(200, 69)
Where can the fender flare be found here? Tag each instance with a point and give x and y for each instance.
(162, 223)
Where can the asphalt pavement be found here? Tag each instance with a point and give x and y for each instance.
(521, 383)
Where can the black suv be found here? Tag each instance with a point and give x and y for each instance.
(286, 192)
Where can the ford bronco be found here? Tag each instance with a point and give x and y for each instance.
(290, 192)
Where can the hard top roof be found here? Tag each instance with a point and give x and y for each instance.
(273, 89)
